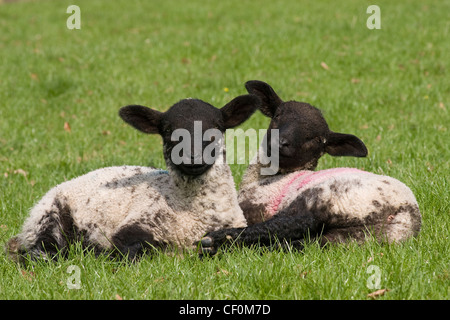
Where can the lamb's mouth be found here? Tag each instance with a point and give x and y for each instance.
(194, 169)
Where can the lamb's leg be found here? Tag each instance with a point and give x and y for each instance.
(45, 235)
(281, 228)
(132, 240)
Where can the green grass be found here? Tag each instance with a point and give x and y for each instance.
(390, 87)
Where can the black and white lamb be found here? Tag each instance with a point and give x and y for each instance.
(335, 205)
(129, 209)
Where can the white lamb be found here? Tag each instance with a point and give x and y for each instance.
(129, 209)
(335, 205)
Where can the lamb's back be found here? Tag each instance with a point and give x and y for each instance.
(342, 197)
(354, 202)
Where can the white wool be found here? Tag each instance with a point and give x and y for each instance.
(349, 197)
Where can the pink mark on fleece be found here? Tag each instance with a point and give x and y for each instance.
(304, 178)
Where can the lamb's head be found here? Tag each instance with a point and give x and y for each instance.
(191, 129)
(304, 135)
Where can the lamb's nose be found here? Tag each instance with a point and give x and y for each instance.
(197, 159)
(284, 142)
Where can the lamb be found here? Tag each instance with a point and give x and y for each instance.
(126, 210)
(335, 205)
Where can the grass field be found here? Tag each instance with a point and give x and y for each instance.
(60, 91)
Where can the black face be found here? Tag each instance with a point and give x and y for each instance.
(191, 129)
(302, 131)
(193, 117)
(304, 135)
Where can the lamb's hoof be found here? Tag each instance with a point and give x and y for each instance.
(211, 242)
(206, 247)
(206, 242)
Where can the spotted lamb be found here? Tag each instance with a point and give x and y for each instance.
(128, 209)
(335, 204)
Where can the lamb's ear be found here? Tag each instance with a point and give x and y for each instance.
(269, 99)
(142, 118)
(239, 109)
(340, 144)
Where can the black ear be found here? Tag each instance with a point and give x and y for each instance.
(239, 109)
(142, 118)
(269, 99)
(340, 144)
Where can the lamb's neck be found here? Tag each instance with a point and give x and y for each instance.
(258, 171)
(206, 189)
